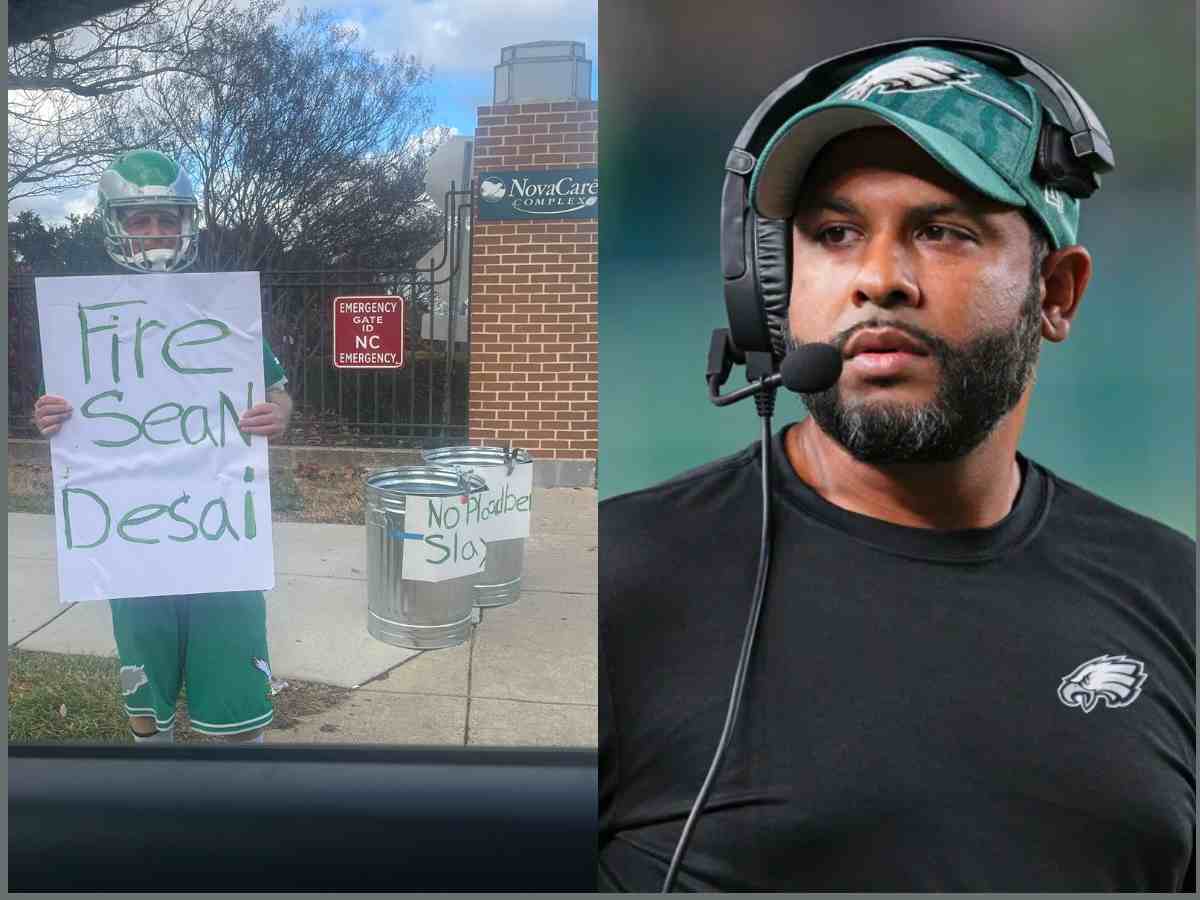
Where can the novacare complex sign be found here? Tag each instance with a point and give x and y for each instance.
(557, 193)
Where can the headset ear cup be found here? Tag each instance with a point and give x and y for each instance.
(773, 276)
(1055, 165)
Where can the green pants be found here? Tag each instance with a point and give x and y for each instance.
(215, 643)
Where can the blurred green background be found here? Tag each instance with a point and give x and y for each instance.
(1114, 407)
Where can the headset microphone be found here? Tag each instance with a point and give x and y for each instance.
(811, 368)
(807, 369)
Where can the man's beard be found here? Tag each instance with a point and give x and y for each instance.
(980, 383)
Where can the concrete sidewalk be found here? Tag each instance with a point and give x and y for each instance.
(527, 677)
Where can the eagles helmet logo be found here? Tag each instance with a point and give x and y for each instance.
(1117, 680)
(908, 74)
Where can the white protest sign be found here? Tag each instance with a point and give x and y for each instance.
(156, 491)
(441, 541)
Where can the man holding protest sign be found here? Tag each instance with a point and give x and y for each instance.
(215, 640)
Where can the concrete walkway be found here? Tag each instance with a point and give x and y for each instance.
(527, 677)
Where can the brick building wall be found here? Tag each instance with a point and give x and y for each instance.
(533, 294)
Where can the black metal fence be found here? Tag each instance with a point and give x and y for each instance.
(422, 404)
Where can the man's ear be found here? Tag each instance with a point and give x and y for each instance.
(1066, 273)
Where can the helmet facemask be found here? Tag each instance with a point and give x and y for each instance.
(138, 249)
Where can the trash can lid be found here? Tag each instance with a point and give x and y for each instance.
(478, 456)
(426, 481)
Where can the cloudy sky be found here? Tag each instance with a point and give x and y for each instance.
(459, 39)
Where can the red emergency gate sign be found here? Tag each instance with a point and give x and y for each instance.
(368, 332)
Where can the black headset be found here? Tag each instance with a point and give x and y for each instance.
(756, 253)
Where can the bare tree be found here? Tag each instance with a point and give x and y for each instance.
(70, 93)
(306, 148)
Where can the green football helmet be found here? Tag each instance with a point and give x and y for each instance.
(137, 185)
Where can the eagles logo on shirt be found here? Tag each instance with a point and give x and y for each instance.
(909, 73)
(1117, 680)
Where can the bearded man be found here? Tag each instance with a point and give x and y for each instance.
(970, 674)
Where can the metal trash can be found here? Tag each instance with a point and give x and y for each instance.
(500, 582)
(419, 615)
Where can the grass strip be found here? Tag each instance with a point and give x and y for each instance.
(63, 698)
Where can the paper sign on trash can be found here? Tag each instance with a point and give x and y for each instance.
(503, 510)
(443, 540)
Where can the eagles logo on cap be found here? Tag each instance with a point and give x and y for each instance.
(908, 73)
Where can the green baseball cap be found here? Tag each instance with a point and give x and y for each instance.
(977, 123)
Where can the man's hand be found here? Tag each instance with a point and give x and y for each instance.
(268, 419)
(49, 412)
